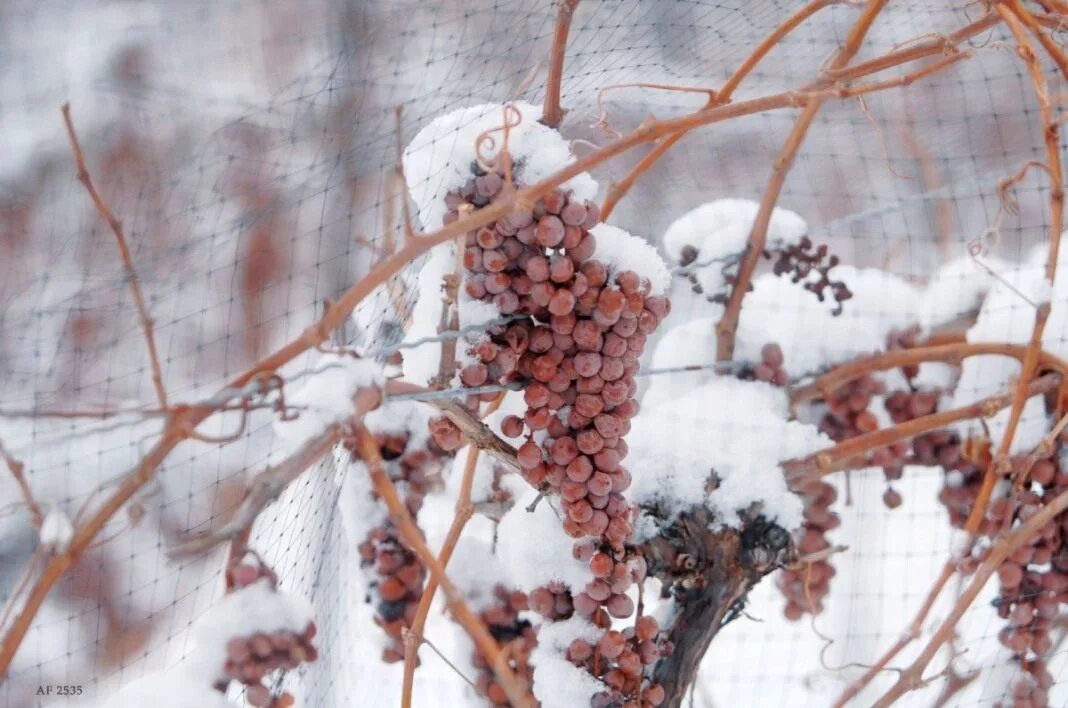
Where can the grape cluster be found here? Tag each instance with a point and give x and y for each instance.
(515, 636)
(628, 651)
(250, 659)
(770, 367)
(398, 575)
(552, 601)
(801, 261)
(807, 583)
(576, 346)
(1033, 580)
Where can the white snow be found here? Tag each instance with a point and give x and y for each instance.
(557, 682)
(360, 511)
(739, 430)
(438, 160)
(255, 608)
(956, 289)
(1008, 315)
(720, 230)
(56, 530)
(324, 395)
(620, 251)
(782, 312)
(534, 547)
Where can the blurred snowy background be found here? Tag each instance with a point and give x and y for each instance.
(249, 149)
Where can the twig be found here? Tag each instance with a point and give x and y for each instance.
(464, 511)
(854, 450)
(728, 324)
(264, 489)
(828, 383)
(186, 418)
(473, 429)
(17, 470)
(513, 685)
(124, 253)
(451, 665)
(1055, 51)
(913, 674)
(553, 113)
(619, 189)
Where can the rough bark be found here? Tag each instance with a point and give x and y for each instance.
(710, 574)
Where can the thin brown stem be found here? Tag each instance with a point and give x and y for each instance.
(553, 112)
(728, 324)
(853, 452)
(398, 513)
(18, 470)
(826, 384)
(619, 189)
(912, 676)
(124, 253)
(464, 511)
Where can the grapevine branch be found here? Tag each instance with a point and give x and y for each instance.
(553, 112)
(828, 383)
(619, 189)
(124, 252)
(728, 324)
(398, 513)
(17, 470)
(464, 512)
(852, 452)
(184, 419)
(912, 677)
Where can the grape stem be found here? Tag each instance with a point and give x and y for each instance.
(512, 685)
(728, 324)
(826, 384)
(464, 511)
(853, 452)
(552, 111)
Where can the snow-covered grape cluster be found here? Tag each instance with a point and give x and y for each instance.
(1034, 579)
(803, 260)
(629, 650)
(806, 584)
(249, 659)
(516, 637)
(770, 368)
(398, 575)
(576, 348)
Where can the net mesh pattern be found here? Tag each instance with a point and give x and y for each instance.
(250, 150)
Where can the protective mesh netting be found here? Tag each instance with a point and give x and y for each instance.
(250, 149)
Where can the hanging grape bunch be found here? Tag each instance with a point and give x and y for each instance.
(576, 350)
(1033, 580)
(398, 575)
(251, 658)
(515, 636)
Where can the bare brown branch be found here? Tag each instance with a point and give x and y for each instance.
(17, 470)
(728, 324)
(853, 452)
(518, 694)
(828, 383)
(124, 252)
(553, 112)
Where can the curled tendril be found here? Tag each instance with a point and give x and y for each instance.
(486, 142)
